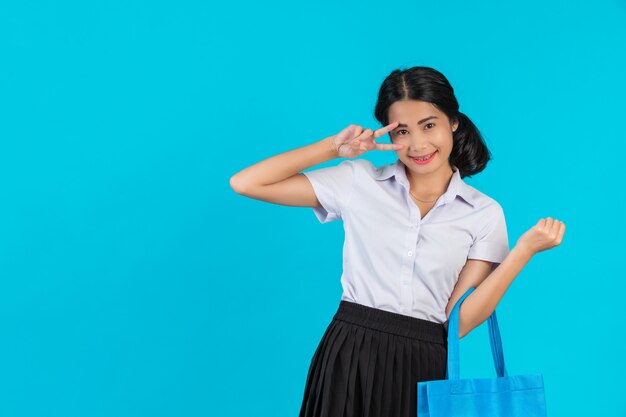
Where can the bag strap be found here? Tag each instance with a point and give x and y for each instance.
(453, 369)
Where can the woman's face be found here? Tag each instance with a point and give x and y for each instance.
(423, 130)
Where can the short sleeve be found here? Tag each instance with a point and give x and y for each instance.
(332, 187)
(491, 243)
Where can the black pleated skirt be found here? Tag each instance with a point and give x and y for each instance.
(369, 361)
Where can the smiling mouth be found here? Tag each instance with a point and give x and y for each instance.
(424, 157)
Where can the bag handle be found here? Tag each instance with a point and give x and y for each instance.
(453, 369)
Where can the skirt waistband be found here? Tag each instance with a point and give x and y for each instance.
(390, 322)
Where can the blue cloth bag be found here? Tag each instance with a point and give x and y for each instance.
(510, 396)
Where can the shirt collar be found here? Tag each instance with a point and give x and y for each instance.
(456, 187)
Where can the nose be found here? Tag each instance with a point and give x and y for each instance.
(417, 145)
(417, 142)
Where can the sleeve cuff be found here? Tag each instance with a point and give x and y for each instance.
(488, 251)
(323, 215)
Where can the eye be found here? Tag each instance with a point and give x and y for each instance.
(430, 124)
(401, 130)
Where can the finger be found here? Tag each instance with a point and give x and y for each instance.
(387, 147)
(556, 228)
(361, 137)
(386, 129)
(559, 237)
(366, 134)
(383, 131)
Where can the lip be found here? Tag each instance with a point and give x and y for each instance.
(421, 156)
(426, 161)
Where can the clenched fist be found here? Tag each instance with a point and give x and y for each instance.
(546, 234)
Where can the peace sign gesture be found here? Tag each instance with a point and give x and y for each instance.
(354, 141)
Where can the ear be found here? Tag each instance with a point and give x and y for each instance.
(455, 125)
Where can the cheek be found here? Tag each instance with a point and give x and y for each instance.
(444, 141)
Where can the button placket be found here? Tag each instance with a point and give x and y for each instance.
(409, 264)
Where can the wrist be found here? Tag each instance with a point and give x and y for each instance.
(333, 148)
(522, 252)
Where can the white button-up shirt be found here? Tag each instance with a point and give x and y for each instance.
(393, 259)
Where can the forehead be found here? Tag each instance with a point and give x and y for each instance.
(412, 109)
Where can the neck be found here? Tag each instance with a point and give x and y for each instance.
(432, 184)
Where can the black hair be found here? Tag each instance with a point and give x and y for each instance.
(469, 151)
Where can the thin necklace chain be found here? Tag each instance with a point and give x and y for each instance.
(423, 201)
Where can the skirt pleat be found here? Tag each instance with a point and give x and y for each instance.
(315, 371)
(406, 371)
(395, 402)
(354, 394)
(371, 372)
(368, 363)
(334, 376)
(323, 370)
(379, 373)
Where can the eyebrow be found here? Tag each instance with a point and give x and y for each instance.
(419, 123)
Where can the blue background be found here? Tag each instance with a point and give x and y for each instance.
(136, 282)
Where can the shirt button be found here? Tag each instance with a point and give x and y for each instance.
(410, 253)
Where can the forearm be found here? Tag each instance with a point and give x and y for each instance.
(285, 165)
(478, 306)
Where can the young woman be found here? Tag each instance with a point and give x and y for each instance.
(417, 238)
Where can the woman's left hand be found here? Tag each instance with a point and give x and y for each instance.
(546, 234)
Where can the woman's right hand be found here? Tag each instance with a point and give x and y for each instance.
(354, 141)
